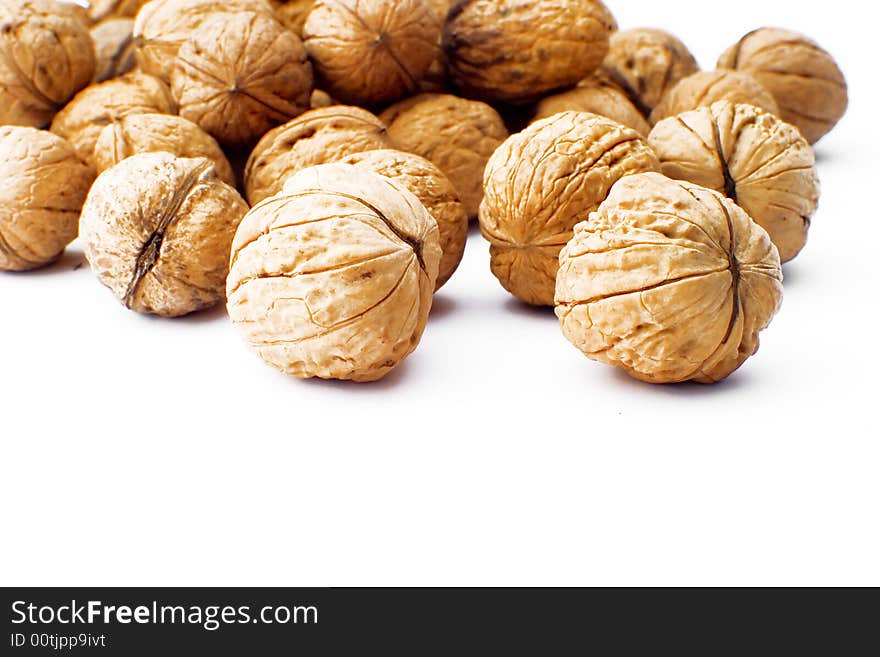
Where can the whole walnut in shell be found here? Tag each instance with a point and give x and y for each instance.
(669, 281)
(150, 133)
(103, 9)
(334, 277)
(240, 75)
(433, 189)
(114, 48)
(44, 186)
(316, 137)
(544, 180)
(455, 134)
(158, 230)
(46, 56)
(515, 51)
(369, 52)
(83, 118)
(707, 87)
(754, 158)
(803, 78)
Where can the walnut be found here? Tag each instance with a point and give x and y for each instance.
(455, 134)
(544, 180)
(669, 281)
(803, 78)
(334, 277)
(707, 87)
(46, 56)
(515, 51)
(240, 75)
(752, 157)
(44, 186)
(114, 48)
(158, 230)
(646, 63)
(321, 99)
(293, 14)
(100, 10)
(369, 52)
(317, 137)
(434, 190)
(149, 133)
(596, 96)
(83, 118)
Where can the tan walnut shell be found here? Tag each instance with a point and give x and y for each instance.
(240, 75)
(544, 180)
(334, 277)
(434, 190)
(46, 56)
(293, 14)
(370, 52)
(754, 158)
(318, 136)
(707, 87)
(668, 281)
(93, 108)
(149, 133)
(456, 134)
(158, 230)
(646, 63)
(114, 48)
(43, 188)
(100, 10)
(804, 79)
(516, 52)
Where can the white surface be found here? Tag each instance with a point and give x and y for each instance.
(149, 451)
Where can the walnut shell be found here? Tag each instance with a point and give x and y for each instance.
(434, 190)
(544, 180)
(44, 186)
(334, 277)
(669, 281)
(293, 14)
(46, 56)
(114, 48)
(321, 99)
(240, 75)
(455, 134)
(158, 231)
(100, 10)
(754, 158)
(149, 133)
(370, 52)
(317, 137)
(646, 63)
(707, 87)
(803, 78)
(516, 52)
(83, 118)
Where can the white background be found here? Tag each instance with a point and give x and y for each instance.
(143, 451)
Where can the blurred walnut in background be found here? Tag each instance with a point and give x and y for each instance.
(103, 9)
(707, 87)
(293, 14)
(114, 48)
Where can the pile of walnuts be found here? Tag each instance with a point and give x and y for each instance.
(315, 164)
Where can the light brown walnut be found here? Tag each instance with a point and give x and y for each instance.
(707, 87)
(114, 48)
(321, 99)
(43, 188)
(544, 180)
(100, 10)
(754, 158)
(334, 277)
(157, 231)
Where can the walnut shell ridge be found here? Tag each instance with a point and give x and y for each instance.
(668, 281)
(707, 87)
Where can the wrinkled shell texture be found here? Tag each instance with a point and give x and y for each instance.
(46, 56)
(518, 50)
(646, 63)
(707, 87)
(158, 230)
(596, 97)
(114, 48)
(434, 190)
(149, 133)
(240, 75)
(669, 281)
(757, 160)
(544, 180)
(83, 118)
(334, 278)
(369, 52)
(803, 78)
(317, 137)
(293, 14)
(455, 134)
(101, 9)
(43, 188)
